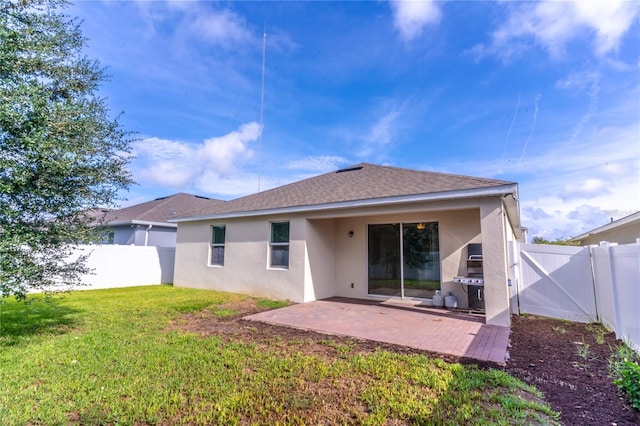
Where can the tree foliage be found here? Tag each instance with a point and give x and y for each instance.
(61, 154)
(556, 242)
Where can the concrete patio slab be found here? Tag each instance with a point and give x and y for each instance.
(397, 322)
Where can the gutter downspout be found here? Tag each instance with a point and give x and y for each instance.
(146, 235)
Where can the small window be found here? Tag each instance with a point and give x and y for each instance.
(280, 244)
(217, 245)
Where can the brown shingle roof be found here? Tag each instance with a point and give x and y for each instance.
(361, 182)
(161, 209)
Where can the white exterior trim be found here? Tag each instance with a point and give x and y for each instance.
(141, 222)
(435, 196)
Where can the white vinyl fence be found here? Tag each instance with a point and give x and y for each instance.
(583, 284)
(616, 271)
(126, 266)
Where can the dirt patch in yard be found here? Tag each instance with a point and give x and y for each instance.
(233, 328)
(568, 362)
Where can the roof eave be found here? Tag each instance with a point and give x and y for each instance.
(141, 222)
(512, 208)
(499, 190)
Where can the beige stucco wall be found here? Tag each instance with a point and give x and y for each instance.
(325, 262)
(246, 267)
(494, 247)
(320, 258)
(456, 228)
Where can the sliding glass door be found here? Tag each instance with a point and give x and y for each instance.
(404, 259)
(421, 259)
(384, 260)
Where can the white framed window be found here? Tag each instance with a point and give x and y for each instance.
(279, 245)
(217, 245)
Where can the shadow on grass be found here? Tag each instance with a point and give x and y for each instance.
(23, 319)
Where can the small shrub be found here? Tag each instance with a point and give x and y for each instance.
(599, 331)
(584, 350)
(629, 382)
(625, 371)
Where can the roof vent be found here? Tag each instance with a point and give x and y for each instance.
(161, 198)
(202, 197)
(349, 169)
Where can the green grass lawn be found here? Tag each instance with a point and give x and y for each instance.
(111, 357)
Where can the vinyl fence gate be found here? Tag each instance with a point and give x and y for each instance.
(582, 284)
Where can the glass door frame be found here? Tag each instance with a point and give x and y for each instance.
(401, 260)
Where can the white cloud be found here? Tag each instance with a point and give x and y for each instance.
(166, 162)
(535, 213)
(222, 153)
(600, 170)
(223, 166)
(589, 214)
(230, 186)
(568, 223)
(552, 24)
(202, 21)
(180, 165)
(587, 217)
(564, 193)
(411, 16)
(579, 81)
(382, 130)
(588, 188)
(218, 26)
(610, 19)
(320, 164)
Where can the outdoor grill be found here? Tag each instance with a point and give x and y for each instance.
(474, 280)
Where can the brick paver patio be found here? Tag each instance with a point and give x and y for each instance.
(437, 330)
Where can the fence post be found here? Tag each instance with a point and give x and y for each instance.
(614, 290)
(594, 284)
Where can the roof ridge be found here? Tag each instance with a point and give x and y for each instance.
(162, 202)
(167, 199)
(431, 172)
(362, 181)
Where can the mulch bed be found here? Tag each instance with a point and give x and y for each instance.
(567, 362)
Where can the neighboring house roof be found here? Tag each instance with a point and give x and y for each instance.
(96, 214)
(157, 211)
(632, 219)
(359, 185)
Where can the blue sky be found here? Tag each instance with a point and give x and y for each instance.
(546, 94)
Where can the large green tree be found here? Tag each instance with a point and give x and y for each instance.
(61, 153)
